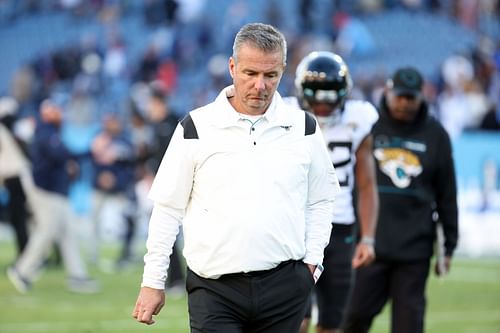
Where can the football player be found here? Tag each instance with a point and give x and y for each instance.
(323, 84)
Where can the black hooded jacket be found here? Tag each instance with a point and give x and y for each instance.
(416, 179)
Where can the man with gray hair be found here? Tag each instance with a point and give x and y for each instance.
(250, 181)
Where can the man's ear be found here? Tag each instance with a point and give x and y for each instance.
(232, 67)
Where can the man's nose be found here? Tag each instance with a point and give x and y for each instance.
(260, 83)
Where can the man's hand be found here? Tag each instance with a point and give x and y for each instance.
(442, 268)
(311, 268)
(149, 303)
(363, 255)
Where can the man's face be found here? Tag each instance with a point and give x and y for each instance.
(157, 109)
(256, 75)
(112, 125)
(322, 109)
(403, 107)
(51, 114)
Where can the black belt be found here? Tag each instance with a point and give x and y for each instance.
(262, 272)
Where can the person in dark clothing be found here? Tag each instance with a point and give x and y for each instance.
(416, 180)
(163, 122)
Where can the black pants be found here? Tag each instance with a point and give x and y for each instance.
(401, 282)
(266, 302)
(335, 284)
(18, 214)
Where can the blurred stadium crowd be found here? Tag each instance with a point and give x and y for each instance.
(113, 66)
(116, 48)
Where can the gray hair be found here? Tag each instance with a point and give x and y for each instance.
(263, 36)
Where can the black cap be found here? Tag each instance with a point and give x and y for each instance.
(406, 81)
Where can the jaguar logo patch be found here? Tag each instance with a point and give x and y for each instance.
(398, 164)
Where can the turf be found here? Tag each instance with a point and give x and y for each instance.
(467, 301)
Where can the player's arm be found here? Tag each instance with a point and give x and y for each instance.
(367, 203)
(446, 201)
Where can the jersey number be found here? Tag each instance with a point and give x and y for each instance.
(347, 147)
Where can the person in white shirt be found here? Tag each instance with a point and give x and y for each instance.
(323, 84)
(250, 181)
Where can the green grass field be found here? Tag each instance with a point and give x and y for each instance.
(467, 301)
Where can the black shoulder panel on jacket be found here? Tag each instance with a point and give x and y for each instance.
(189, 128)
(310, 124)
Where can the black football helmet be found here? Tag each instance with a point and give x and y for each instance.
(322, 76)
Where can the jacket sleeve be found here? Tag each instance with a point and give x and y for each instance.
(446, 194)
(323, 187)
(170, 193)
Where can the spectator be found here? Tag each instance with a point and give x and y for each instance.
(113, 156)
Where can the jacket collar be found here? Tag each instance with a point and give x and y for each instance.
(227, 116)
